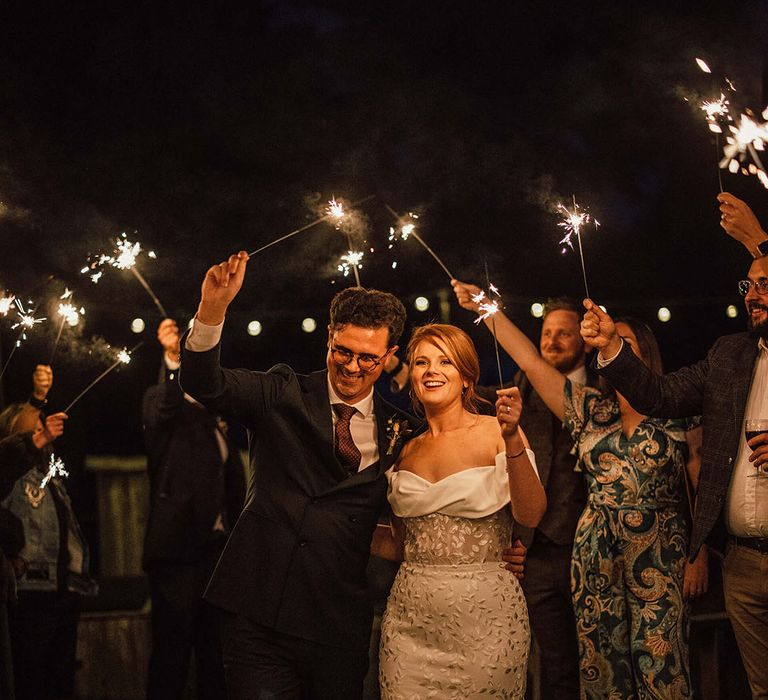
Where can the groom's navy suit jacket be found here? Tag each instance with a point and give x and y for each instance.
(296, 559)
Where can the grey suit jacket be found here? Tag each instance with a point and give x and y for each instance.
(715, 388)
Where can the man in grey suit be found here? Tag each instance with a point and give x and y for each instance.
(727, 388)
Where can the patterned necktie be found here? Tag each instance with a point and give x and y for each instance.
(346, 450)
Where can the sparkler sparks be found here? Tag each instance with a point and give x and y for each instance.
(55, 468)
(487, 309)
(747, 138)
(701, 63)
(124, 356)
(5, 304)
(26, 320)
(715, 110)
(350, 261)
(573, 221)
(123, 257)
(335, 210)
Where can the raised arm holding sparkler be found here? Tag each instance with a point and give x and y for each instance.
(547, 381)
(741, 224)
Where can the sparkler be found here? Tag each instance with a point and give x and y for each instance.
(407, 227)
(351, 261)
(55, 468)
(489, 308)
(748, 137)
(123, 258)
(69, 314)
(26, 322)
(334, 211)
(5, 304)
(573, 221)
(123, 358)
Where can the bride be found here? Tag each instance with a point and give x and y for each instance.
(456, 624)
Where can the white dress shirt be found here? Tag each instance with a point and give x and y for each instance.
(362, 425)
(746, 509)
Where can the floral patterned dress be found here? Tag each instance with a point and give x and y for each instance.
(629, 552)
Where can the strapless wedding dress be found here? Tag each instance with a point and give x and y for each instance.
(456, 623)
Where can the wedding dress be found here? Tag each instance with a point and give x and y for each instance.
(456, 623)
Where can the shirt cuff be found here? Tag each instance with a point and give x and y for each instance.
(604, 362)
(202, 338)
(170, 364)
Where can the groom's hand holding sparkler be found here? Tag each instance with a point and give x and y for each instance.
(221, 284)
(42, 381)
(599, 331)
(52, 428)
(740, 223)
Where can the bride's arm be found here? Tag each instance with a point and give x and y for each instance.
(387, 541)
(526, 493)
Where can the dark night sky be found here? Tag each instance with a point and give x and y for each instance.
(205, 129)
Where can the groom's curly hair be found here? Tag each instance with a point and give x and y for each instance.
(368, 308)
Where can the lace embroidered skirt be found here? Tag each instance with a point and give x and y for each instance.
(454, 631)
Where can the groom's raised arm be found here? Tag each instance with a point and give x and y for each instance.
(244, 394)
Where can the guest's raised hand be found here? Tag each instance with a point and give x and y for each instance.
(42, 381)
(464, 293)
(739, 221)
(598, 330)
(169, 338)
(220, 286)
(509, 407)
(51, 429)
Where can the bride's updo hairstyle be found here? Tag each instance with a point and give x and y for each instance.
(456, 345)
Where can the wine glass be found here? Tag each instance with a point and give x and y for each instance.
(752, 428)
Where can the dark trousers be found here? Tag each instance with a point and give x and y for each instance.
(262, 664)
(547, 588)
(183, 623)
(43, 630)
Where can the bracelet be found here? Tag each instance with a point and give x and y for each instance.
(515, 456)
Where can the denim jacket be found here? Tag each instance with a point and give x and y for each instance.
(37, 509)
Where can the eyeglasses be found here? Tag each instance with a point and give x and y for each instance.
(367, 363)
(761, 286)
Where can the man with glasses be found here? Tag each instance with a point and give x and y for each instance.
(729, 388)
(292, 577)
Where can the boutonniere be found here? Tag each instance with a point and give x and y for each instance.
(397, 429)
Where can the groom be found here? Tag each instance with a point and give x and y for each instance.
(292, 576)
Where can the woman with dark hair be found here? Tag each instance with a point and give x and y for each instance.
(629, 574)
(456, 623)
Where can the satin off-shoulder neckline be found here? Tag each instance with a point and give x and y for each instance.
(475, 492)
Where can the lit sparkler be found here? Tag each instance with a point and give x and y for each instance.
(70, 315)
(747, 138)
(715, 111)
(334, 211)
(123, 257)
(5, 304)
(488, 308)
(407, 227)
(350, 262)
(26, 322)
(123, 358)
(703, 65)
(573, 221)
(55, 468)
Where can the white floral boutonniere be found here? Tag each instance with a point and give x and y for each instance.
(397, 429)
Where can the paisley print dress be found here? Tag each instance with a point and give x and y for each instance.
(456, 623)
(629, 553)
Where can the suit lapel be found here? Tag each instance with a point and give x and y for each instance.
(743, 368)
(318, 405)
